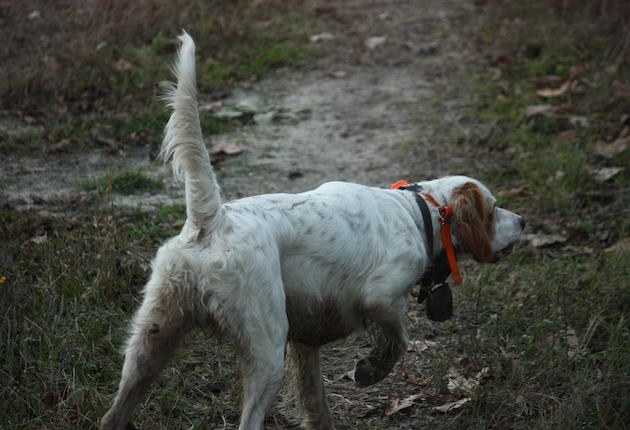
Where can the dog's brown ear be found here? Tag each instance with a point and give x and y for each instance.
(471, 223)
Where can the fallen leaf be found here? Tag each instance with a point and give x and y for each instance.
(420, 345)
(39, 239)
(250, 105)
(579, 121)
(29, 119)
(207, 107)
(535, 110)
(515, 192)
(578, 249)
(264, 119)
(321, 37)
(338, 74)
(397, 404)
(373, 42)
(461, 384)
(229, 113)
(33, 169)
(413, 379)
(458, 383)
(554, 92)
(603, 174)
(447, 407)
(123, 65)
(34, 15)
(60, 145)
(623, 246)
(226, 148)
(348, 375)
(609, 150)
(542, 240)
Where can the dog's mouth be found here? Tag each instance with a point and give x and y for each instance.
(503, 253)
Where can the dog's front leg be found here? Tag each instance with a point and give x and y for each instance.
(303, 372)
(391, 344)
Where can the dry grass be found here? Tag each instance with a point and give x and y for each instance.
(89, 54)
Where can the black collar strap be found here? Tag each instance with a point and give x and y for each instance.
(426, 216)
(438, 268)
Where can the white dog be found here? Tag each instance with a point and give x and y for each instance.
(291, 269)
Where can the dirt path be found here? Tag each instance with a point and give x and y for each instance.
(383, 118)
(377, 123)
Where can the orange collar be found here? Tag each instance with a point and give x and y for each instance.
(446, 213)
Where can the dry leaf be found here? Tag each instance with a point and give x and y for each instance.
(578, 249)
(208, 107)
(458, 383)
(348, 375)
(514, 192)
(623, 246)
(420, 345)
(609, 150)
(413, 379)
(447, 407)
(603, 174)
(537, 110)
(542, 240)
(226, 148)
(60, 145)
(33, 169)
(554, 92)
(373, 42)
(123, 65)
(397, 404)
(321, 37)
(579, 121)
(338, 74)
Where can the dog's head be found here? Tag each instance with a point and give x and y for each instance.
(480, 228)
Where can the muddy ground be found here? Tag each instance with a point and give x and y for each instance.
(371, 115)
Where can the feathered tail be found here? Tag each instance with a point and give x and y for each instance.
(183, 142)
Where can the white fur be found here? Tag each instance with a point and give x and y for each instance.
(303, 268)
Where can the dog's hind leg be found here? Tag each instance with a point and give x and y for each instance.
(303, 370)
(157, 327)
(262, 340)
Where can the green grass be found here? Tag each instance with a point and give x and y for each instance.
(551, 324)
(128, 183)
(66, 299)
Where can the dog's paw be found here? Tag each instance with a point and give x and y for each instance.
(368, 372)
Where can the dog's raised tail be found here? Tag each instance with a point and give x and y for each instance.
(183, 142)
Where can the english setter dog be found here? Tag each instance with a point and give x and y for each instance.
(284, 274)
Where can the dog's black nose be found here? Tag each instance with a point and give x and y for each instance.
(521, 221)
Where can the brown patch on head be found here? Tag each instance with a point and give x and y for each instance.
(472, 221)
